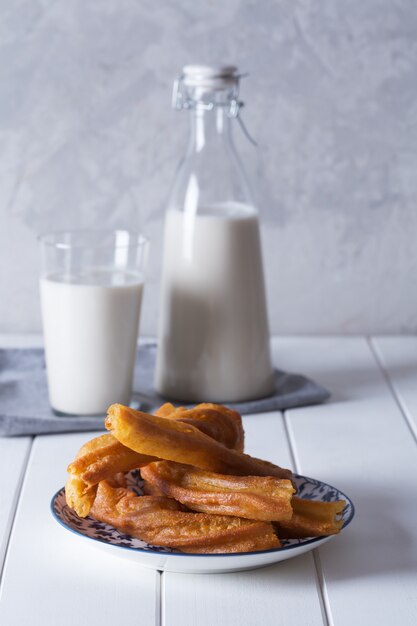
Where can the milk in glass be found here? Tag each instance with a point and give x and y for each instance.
(90, 324)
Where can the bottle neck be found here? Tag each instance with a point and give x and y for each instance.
(209, 128)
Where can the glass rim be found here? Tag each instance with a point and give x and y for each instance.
(56, 239)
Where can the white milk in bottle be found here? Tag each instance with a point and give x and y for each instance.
(214, 329)
(213, 332)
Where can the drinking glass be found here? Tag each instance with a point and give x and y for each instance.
(91, 290)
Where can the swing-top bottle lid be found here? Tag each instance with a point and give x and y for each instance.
(210, 76)
(207, 86)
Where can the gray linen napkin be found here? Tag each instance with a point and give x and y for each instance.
(25, 410)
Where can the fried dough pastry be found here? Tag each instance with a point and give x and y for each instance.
(98, 459)
(312, 518)
(159, 521)
(104, 456)
(151, 490)
(205, 495)
(263, 498)
(78, 495)
(165, 410)
(217, 421)
(173, 440)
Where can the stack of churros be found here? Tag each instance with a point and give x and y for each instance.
(203, 494)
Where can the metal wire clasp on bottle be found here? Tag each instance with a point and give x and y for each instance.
(234, 105)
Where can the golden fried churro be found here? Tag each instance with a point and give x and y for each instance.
(165, 410)
(205, 495)
(159, 521)
(263, 498)
(104, 456)
(98, 459)
(106, 459)
(219, 422)
(173, 440)
(312, 518)
(78, 495)
(151, 490)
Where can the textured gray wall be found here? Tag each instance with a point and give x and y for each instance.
(87, 138)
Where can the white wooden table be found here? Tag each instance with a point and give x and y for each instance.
(363, 440)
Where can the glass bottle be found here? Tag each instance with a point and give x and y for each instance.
(213, 342)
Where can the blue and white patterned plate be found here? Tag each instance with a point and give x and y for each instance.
(166, 559)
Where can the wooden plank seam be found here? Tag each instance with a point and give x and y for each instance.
(15, 508)
(319, 575)
(159, 594)
(384, 370)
